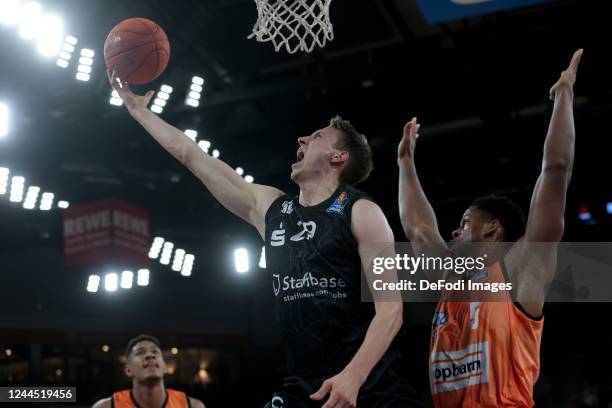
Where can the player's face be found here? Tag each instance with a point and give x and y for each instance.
(145, 362)
(471, 229)
(315, 153)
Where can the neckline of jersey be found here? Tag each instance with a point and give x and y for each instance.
(324, 203)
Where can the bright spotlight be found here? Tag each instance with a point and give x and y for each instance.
(249, 179)
(142, 278)
(192, 134)
(50, 36)
(187, 265)
(93, 283)
(177, 263)
(156, 247)
(241, 260)
(63, 204)
(240, 171)
(32, 195)
(17, 183)
(46, 201)
(4, 119)
(110, 282)
(9, 12)
(216, 153)
(126, 279)
(30, 20)
(262, 258)
(166, 253)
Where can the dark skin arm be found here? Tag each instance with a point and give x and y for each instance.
(545, 222)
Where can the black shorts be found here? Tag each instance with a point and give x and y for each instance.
(382, 389)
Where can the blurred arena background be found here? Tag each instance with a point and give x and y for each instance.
(478, 84)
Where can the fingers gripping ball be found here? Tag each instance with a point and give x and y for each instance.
(137, 49)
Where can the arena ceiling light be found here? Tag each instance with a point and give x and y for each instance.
(216, 153)
(166, 253)
(142, 277)
(110, 282)
(10, 12)
(30, 15)
(249, 179)
(4, 119)
(50, 35)
(262, 258)
(204, 145)
(17, 184)
(46, 201)
(192, 134)
(31, 196)
(93, 283)
(241, 260)
(65, 54)
(156, 247)
(187, 265)
(161, 99)
(177, 263)
(195, 92)
(127, 277)
(85, 63)
(240, 171)
(115, 99)
(63, 204)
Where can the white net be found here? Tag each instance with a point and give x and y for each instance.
(296, 25)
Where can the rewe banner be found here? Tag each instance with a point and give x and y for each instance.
(106, 231)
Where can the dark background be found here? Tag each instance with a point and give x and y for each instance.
(479, 86)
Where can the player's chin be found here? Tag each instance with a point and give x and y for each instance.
(153, 377)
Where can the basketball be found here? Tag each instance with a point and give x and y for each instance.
(137, 49)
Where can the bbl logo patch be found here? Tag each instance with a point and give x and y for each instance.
(338, 205)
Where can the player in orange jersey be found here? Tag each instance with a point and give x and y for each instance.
(145, 366)
(486, 354)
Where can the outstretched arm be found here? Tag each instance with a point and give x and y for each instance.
(546, 212)
(417, 215)
(246, 200)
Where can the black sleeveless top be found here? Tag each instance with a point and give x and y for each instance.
(313, 260)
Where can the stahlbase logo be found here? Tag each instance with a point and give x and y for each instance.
(293, 288)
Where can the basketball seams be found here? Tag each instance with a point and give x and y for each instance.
(156, 47)
(140, 55)
(141, 64)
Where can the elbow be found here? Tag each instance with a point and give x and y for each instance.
(413, 233)
(557, 166)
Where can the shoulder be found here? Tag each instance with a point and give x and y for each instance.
(196, 403)
(103, 403)
(369, 222)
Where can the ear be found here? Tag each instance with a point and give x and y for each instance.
(493, 230)
(340, 157)
(128, 371)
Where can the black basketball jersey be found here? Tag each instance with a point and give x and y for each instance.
(313, 260)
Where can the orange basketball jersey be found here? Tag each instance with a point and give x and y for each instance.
(174, 399)
(484, 354)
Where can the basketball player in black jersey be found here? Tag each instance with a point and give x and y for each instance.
(337, 354)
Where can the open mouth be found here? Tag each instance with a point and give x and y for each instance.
(300, 155)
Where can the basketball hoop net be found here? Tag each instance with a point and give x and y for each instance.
(297, 25)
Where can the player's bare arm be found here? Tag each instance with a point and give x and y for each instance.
(246, 200)
(103, 403)
(545, 222)
(371, 229)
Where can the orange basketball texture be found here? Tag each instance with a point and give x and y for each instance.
(137, 49)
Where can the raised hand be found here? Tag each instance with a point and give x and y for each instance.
(132, 102)
(406, 146)
(568, 77)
